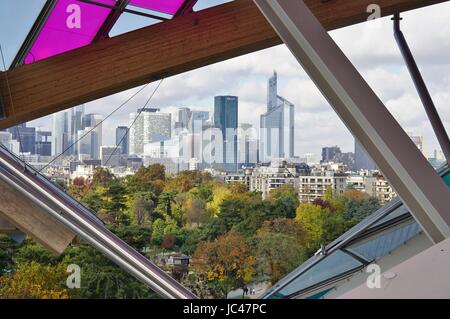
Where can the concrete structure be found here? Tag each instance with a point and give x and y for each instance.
(110, 155)
(266, 178)
(149, 126)
(316, 185)
(377, 186)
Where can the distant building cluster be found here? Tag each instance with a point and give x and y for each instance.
(261, 158)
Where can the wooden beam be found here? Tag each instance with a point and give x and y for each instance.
(6, 226)
(33, 221)
(182, 44)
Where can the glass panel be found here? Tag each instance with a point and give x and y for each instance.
(335, 264)
(71, 25)
(166, 6)
(447, 179)
(375, 249)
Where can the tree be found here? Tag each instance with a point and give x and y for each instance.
(311, 217)
(166, 199)
(101, 278)
(168, 242)
(79, 187)
(196, 213)
(279, 254)
(285, 226)
(102, 177)
(285, 200)
(142, 207)
(35, 281)
(227, 263)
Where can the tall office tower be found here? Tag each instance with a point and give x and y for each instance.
(26, 136)
(89, 145)
(362, 159)
(61, 132)
(247, 145)
(226, 120)
(43, 143)
(197, 121)
(122, 139)
(272, 91)
(277, 126)
(329, 154)
(76, 115)
(184, 116)
(151, 126)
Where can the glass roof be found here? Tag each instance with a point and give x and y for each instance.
(71, 24)
(165, 6)
(321, 268)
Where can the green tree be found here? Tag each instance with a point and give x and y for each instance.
(143, 207)
(279, 254)
(285, 201)
(102, 177)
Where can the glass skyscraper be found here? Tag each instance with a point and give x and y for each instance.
(226, 119)
(277, 126)
(122, 139)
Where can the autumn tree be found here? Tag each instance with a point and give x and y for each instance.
(102, 177)
(227, 263)
(35, 281)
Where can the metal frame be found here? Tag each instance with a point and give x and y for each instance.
(107, 26)
(416, 182)
(33, 34)
(422, 90)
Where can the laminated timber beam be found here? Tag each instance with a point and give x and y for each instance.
(17, 210)
(6, 227)
(169, 48)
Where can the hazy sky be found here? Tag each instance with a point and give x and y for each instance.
(370, 46)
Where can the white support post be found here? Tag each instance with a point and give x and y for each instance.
(414, 179)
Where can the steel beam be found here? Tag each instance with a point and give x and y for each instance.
(364, 114)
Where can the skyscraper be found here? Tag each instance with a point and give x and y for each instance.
(329, 153)
(150, 126)
(26, 136)
(277, 126)
(89, 145)
(122, 139)
(362, 159)
(61, 132)
(226, 120)
(43, 143)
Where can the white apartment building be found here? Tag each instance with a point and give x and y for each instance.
(315, 185)
(266, 178)
(244, 178)
(379, 187)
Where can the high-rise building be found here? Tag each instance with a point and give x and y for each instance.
(43, 143)
(226, 120)
(61, 132)
(277, 126)
(76, 124)
(362, 159)
(26, 136)
(184, 115)
(272, 92)
(150, 126)
(90, 138)
(197, 121)
(330, 153)
(110, 155)
(247, 145)
(122, 139)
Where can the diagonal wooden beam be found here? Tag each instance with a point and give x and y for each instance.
(182, 44)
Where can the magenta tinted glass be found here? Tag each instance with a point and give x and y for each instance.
(71, 25)
(165, 6)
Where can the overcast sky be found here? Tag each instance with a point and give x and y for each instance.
(370, 46)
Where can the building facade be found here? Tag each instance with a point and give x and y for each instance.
(276, 126)
(226, 120)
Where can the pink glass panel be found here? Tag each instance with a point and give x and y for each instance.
(71, 25)
(165, 6)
